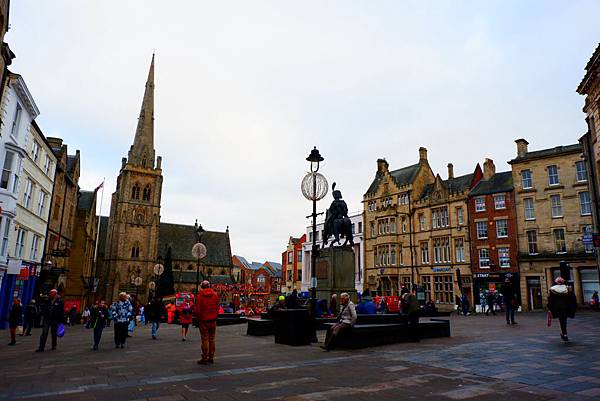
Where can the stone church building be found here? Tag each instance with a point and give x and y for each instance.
(130, 237)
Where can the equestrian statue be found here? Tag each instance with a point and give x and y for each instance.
(337, 222)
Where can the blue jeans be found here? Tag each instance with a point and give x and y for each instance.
(155, 326)
(510, 313)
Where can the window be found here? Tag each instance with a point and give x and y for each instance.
(459, 249)
(47, 165)
(372, 206)
(360, 227)
(529, 210)
(21, 237)
(260, 279)
(387, 201)
(426, 282)
(403, 199)
(310, 237)
(443, 288)
(10, 171)
(27, 193)
(532, 242)
(424, 253)
(146, 194)
(482, 230)
(135, 252)
(135, 192)
(553, 175)
(526, 181)
(589, 283)
(353, 228)
(299, 256)
(290, 256)
(580, 171)
(439, 217)
(585, 203)
(299, 278)
(403, 224)
(556, 205)
(14, 131)
(35, 151)
(587, 230)
(504, 257)
(5, 233)
(392, 225)
(480, 204)
(373, 231)
(559, 240)
(393, 253)
(35, 241)
(484, 258)
(501, 228)
(42, 203)
(289, 275)
(500, 202)
(422, 222)
(441, 250)
(459, 216)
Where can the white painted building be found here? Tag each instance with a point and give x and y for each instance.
(359, 262)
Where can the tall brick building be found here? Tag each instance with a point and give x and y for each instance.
(132, 238)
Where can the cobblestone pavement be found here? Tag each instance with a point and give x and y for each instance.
(484, 360)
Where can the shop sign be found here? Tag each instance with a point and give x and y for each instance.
(14, 266)
(481, 275)
(23, 274)
(440, 269)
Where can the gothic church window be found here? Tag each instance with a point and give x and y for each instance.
(135, 252)
(147, 192)
(135, 192)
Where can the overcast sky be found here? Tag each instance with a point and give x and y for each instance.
(245, 89)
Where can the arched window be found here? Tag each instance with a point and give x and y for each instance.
(135, 191)
(144, 160)
(147, 192)
(135, 251)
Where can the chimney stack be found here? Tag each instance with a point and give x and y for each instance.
(382, 165)
(521, 147)
(450, 170)
(422, 154)
(55, 142)
(489, 169)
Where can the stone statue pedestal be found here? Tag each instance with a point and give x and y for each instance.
(335, 273)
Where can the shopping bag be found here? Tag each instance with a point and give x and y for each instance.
(60, 331)
(549, 318)
(131, 326)
(20, 330)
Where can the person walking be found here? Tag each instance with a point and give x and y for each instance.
(562, 303)
(72, 316)
(489, 299)
(509, 296)
(155, 313)
(207, 310)
(346, 319)
(464, 301)
(53, 314)
(98, 319)
(594, 301)
(31, 312)
(86, 317)
(412, 310)
(121, 311)
(15, 319)
(185, 318)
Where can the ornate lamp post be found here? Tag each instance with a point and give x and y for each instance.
(314, 188)
(199, 252)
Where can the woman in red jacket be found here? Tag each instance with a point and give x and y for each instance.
(185, 318)
(207, 310)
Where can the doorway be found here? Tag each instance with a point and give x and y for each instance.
(534, 292)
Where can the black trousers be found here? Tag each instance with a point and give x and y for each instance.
(121, 332)
(53, 329)
(28, 326)
(413, 326)
(98, 334)
(562, 319)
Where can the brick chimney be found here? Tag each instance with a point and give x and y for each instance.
(382, 165)
(450, 170)
(422, 154)
(489, 169)
(521, 147)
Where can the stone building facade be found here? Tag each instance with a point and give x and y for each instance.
(133, 227)
(493, 232)
(291, 260)
(554, 213)
(416, 231)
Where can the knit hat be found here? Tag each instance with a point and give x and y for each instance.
(559, 280)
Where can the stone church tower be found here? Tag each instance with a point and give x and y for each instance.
(132, 237)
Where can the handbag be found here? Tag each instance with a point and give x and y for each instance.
(60, 331)
(549, 318)
(20, 330)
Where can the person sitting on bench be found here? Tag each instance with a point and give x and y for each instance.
(346, 319)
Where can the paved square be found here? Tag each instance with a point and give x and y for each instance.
(484, 360)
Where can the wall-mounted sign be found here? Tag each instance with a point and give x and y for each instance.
(440, 269)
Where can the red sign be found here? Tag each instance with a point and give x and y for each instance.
(73, 303)
(23, 274)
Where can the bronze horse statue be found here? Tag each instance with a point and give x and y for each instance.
(337, 222)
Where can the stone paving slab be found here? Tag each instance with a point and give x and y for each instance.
(484, 360)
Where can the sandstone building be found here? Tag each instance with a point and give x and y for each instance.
(553, 215)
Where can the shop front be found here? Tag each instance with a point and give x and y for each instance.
(483, 283)
(17, 281)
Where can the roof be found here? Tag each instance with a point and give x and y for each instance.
(243, 261)
(86, 200)
(454, 185)
(71, 163)
(500, 182)
(550, 152)
(182, 238)
(592, 69)
(403, 176)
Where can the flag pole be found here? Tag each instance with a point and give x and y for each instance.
(99, 219)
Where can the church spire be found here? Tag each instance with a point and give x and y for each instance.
(142, 151)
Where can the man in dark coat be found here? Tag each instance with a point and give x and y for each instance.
(53, 313)
(510, 301)
(31, 312)
(291, 302)
(155, 313)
